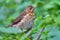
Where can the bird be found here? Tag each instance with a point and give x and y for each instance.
(25, 20)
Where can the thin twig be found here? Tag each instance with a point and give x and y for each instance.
(39, 34)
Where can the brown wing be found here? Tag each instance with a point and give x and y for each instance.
(18, 19)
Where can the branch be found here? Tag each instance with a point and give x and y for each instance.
(39, 34)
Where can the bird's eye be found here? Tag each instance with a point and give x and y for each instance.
(30, 8)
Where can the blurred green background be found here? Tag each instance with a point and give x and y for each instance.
(47, 14)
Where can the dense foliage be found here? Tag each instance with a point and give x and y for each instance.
(47, 14)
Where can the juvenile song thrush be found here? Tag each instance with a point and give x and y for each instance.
(26, 19)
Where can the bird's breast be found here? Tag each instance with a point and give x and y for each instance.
(26, 22)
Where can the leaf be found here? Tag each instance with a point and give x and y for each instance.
(10, 30)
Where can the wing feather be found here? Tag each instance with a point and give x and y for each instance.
(18, 19)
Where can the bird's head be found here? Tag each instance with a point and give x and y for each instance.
(30, 9)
